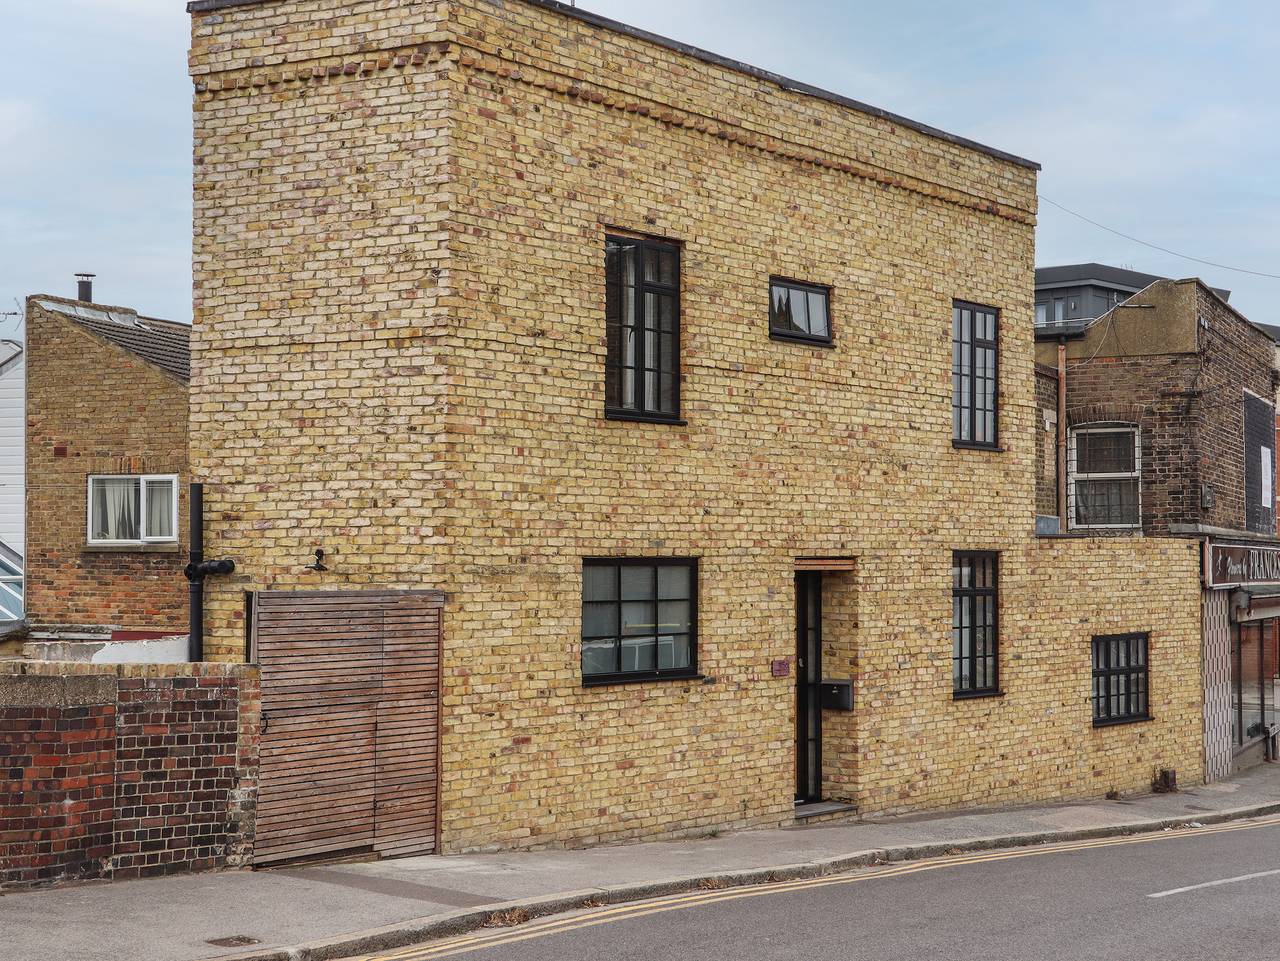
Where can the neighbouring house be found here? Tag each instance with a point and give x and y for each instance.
(12, 499)
(106, 465)
(615, 440)
(1163, 413)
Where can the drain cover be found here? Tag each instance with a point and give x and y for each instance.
(235, 941)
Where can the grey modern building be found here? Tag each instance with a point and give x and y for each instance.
(1077, 292)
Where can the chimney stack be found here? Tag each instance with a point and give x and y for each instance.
(84, 287)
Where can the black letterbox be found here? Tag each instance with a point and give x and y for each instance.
(837, 695)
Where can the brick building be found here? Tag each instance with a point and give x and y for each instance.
(703, 398)
(106, 468)
(1169, 429)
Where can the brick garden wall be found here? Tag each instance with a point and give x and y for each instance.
(134, 772)
(95, 408)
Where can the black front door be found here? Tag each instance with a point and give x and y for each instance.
(808, 686)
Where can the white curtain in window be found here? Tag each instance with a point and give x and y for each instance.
(117, 509)
(159, 508)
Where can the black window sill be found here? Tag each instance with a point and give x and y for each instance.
(154, 548)
(971, 445)
(653, 677)
(975, 695)
(1117, 721)
(611, 414)
(806, 339)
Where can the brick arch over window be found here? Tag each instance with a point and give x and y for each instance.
(1108, 415)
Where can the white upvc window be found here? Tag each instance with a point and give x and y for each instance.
(1106, 477)
(133, 509)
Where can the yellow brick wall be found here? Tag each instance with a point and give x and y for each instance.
(469, 453)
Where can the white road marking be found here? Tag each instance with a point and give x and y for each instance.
(1213, 884)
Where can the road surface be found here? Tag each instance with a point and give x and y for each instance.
(1207, 893)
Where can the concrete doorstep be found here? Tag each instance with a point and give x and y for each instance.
(463, 921)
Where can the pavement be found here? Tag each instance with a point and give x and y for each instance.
(1202, 894)
(337, 910)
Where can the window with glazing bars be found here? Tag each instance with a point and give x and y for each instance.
(1120, 678)
(1106, 471)
(642, 329)
(974, 374)
(799, 311)
(975, 641)
(639, 619)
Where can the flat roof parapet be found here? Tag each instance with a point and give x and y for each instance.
(786, 83)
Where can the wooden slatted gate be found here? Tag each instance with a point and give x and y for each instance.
(350, 749)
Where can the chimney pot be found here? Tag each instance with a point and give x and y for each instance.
(84, 287)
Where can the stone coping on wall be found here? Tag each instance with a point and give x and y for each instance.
(77, 668)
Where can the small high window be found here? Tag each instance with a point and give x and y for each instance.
(1120, 678)
(639, 619)
(799, 311)
(975, 641)
(642, 329)
(133, 509)
(1105, 472)
(974, 375)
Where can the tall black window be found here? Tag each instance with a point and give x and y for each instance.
(974, 375)
(975, 654)
(1120, 679)
(639, 619)
(799, 311)
(642, 326)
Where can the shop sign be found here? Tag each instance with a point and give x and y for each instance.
(1236, 565)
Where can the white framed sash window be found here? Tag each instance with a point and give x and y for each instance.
(133, 509)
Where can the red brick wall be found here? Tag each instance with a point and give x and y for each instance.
(159, 778)
(56, 796)
(95, 408)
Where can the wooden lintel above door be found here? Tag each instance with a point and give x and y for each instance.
(826, 563)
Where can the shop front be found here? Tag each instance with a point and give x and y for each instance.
(1241, 655)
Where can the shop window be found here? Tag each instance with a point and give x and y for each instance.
(642, 329)
(1105, 471)
(639, 619)
(974, 374)
(975, 644)
(1120, 679)
(799, 311)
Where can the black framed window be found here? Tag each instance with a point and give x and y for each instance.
(642, 329)
(974, 374)
(975, 640)
(799, 311)
(639, 619)
(1120, 678)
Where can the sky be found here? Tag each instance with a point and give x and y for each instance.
(1160, 120)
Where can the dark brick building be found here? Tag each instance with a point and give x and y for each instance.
(1169, 417)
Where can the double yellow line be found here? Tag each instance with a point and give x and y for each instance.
(479, 942)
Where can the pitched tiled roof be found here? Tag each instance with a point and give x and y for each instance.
(160, 342)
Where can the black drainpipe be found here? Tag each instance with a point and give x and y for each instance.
(196, 571)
